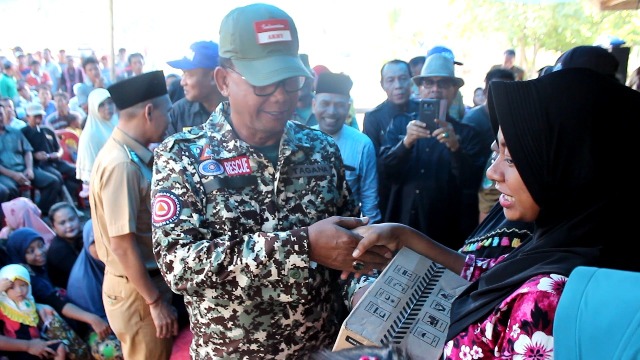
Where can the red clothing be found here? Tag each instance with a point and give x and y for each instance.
(522, 325)
(35, 80)
(16, 330)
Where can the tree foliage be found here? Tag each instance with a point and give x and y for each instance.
(534, 25)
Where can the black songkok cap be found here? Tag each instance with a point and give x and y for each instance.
(129, 92)
(331, 83)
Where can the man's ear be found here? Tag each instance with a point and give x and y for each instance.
(221, 77)
(148, 109)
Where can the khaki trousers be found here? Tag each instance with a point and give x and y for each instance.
(130, 318)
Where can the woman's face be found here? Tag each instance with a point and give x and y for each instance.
(36, 253)
(106, 109)
(516, 201)
(66, 223)
(18, 291)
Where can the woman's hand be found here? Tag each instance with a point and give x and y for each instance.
(377, 234)
(101, 327)
(46, 312)
(41, 349)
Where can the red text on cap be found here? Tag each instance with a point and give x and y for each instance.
(272, 30)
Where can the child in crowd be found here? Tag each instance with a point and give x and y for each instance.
(19, 318)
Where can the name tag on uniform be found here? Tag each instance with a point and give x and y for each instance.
(237, 182)
(310, 170)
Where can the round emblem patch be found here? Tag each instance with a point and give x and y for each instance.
(210, 167)
(166, 208)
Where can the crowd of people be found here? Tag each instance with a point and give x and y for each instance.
(240, 203)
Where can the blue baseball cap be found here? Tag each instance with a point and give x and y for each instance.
(204, 55)
(445, 51)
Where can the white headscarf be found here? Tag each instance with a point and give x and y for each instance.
(24, 312)
(94, 135)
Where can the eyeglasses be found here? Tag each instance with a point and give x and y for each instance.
(290, 85)
(442, 83)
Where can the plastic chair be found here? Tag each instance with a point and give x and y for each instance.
(598, 316)
(69, 143)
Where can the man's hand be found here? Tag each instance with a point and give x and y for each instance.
(332, 244)
(40, 155)
(416, 129)
(20, 178)
(357, 296)
(29, 174)
(165, 318)
(446, 135)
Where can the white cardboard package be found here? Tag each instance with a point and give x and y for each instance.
(408, 305)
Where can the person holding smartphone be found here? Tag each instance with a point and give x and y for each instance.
(434, 173)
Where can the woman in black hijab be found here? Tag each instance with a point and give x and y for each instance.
(564, 143)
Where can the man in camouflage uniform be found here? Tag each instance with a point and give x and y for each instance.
(247, 209)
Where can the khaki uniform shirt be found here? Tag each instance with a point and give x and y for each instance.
(120, 198)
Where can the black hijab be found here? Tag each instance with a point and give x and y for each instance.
(571, 137)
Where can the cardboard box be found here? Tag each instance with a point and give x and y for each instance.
(408, 305)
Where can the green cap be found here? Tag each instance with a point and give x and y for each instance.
(262, 42)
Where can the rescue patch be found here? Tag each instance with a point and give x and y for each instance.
(210, 167)
(310, 170)
(238, 165)
(166, 208)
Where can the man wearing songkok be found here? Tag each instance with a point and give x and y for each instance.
(136, 298)
(331, 109)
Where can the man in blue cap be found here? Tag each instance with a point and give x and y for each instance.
(201, 95)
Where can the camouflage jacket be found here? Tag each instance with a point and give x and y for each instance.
(230, 234)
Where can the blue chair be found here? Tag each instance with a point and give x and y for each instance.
(598, 316)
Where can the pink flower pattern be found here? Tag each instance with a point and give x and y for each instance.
(521, 328)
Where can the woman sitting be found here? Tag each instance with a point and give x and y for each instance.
(85, 290)
(552, 168)
(26, 247)
(66, 245)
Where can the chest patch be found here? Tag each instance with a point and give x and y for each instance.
(310, 170)
(210, 167)
(238, 165)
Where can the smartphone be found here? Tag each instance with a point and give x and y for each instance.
(431, 109)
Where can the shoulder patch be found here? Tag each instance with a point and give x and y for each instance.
(166, 207)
